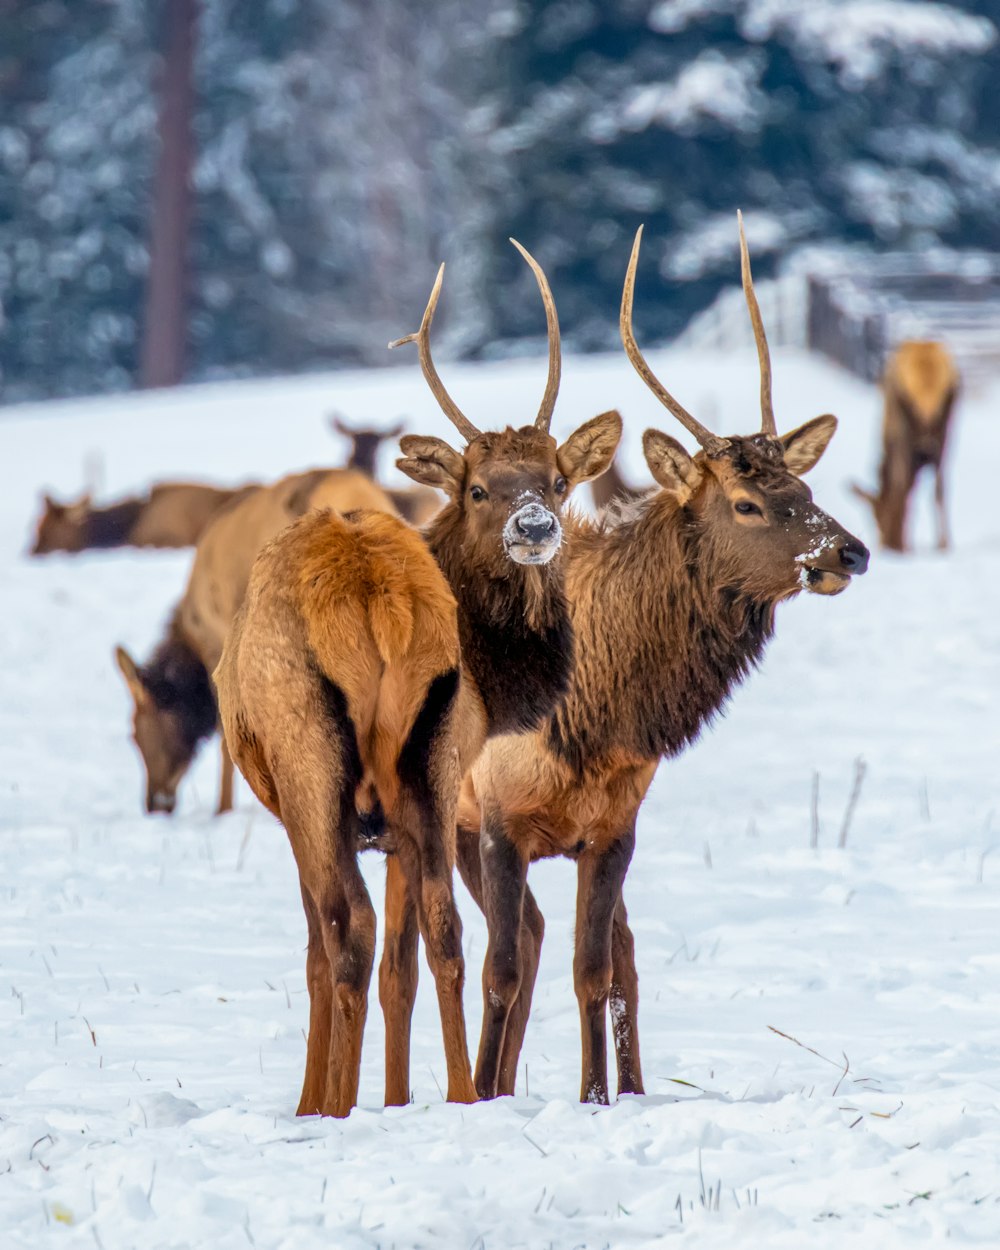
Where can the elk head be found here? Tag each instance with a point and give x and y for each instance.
(507, 488)
(161, 731)
(364, 442)
(61, 526)
(755, 516)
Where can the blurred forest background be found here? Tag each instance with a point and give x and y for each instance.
(339, 149)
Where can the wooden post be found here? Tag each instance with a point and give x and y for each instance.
(165, 322)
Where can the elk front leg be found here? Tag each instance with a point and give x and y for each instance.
(532, 934)
(397, 981)
(599, 885)
(943, 537)
(624, 999)
(504, 876)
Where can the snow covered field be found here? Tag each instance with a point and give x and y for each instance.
(152, 995)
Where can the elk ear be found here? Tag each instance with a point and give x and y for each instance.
(588, 451)
(670, 464)
(804, 446)
(394, 431)
(338, 426)
(432, 462)
(130, 671)
(53, 506)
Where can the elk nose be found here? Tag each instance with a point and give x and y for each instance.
(854, 556)
(161, 801)
(535, 524)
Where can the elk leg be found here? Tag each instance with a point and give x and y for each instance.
(532, 935)
(225, 779)
(944, 539)
(599, 885)
(397, 981)
(504, 874)
(320, 985)
(348, 920)
(624, 999)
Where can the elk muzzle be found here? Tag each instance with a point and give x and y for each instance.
(532, 534)
(161, 801)
(829, 566)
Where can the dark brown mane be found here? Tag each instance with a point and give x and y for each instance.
(179, 683)
(514, 628)
(649, 691)
(112, 526)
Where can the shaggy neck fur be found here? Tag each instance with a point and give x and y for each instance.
(179, 683)
(514, 628)
(662, 634)
(111, 527)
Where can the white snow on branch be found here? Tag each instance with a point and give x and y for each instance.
(712, 87)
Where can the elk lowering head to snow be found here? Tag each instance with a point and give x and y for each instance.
(672, 602)
(173, 700)
(417, 504)
(353, 708)
(173, 514)
(920, 384)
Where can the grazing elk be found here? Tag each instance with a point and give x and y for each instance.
(416, 504)
(672, 603)
(361, 677)
(174, 701)
(173, 514)
(611, 488)
(920, 384)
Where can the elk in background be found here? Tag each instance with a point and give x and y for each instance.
(361, 677)
(672, 604)
(416, 504)
(611, 488)
(920, 384)
(173, 514)
(174, 702)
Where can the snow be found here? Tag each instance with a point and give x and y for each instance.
(153, 970)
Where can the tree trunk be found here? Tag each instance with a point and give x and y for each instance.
(165, 329)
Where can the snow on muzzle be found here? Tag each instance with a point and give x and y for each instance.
(532, 534)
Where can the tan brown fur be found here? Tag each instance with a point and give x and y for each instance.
(173, 514)
(920, 385)
(416, 504)
(214, 591)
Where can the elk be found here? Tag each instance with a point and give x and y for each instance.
(611, 488)
(174, 709)
(361, 677)
(920, 384)
(672, 603)
(173, 514)
(416, 504)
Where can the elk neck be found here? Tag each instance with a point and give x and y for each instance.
(662, 638)
(112, 527)
(178, 682)
(514, 628)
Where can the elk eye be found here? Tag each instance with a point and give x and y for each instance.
(559, 486)
(477, 493)
(746, 508)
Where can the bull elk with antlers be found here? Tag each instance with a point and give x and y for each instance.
(920, 384)
(365, 670)
(672, 604)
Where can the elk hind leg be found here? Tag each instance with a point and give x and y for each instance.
(397, 981)
(624, 999)
(225, 779)
(943, 537)
(319, 982)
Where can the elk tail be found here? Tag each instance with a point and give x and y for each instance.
(390, 610)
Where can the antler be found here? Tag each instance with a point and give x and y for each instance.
(767, 424)
(711, 442)
(544, 418)
(422, 339)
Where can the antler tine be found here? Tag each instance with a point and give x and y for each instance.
(544, 418)
(711, 442)
(422, 340)
(767, 424)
